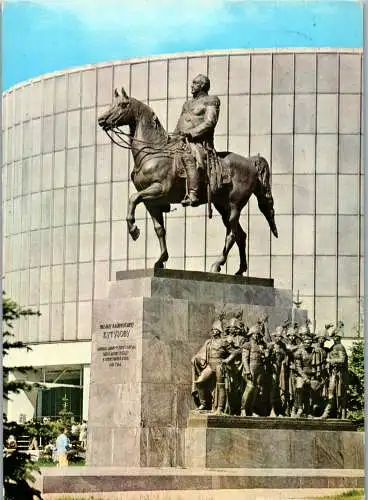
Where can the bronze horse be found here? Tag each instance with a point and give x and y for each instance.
(158, 183)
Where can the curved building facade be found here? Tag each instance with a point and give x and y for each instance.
(65, 187)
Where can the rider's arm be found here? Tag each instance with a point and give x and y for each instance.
(209, 122)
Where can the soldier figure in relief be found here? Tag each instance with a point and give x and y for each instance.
(197, 124)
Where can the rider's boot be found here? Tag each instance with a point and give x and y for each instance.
(191, 199)
(221, 401)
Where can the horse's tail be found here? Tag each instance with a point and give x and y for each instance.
(263, 192)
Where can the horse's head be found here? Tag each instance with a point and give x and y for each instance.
(119, 114)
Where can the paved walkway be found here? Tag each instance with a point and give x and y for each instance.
(259, 494)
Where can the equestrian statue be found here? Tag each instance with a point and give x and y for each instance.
(184, 167)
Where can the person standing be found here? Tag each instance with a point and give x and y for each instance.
(62, 448)
(83, 434)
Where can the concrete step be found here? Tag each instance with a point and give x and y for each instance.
(113, 479)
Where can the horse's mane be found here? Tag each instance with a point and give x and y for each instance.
(154, 131)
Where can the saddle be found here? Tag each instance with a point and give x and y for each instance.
(219, 172)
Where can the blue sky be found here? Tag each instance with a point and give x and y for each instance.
(40, 36)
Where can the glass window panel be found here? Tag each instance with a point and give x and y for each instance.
(88, 88)
(348, 276)
(283, 74)
(86, 242)
(260, 121)
(84, 320)
(88, 126)
(326, 230)
(283, 244)
(348, 235)
(215, 236)
(348, 194)
(25, 254)
(72, 205)
(35, 210)
(239, 79)
(59, 169)
(304, 193)
(139, 81)
(103, 160)
(304, 151)
(239, 114)
(24, 287)
(36, 136)
(46, 173)
(120, 164)
(60, 131)
(71, 243)
(158, 79)
(174, 111)
(350, 111)
(194, 264)
(101, 280)
(85, 280)
(27, 139)
(122, 76)
(326, 113)
(327, 73)
(348, 312)
(282, 154)
(44, 331)
(326, 157)
(221, 127)
(47, 134)
(34, 287)
(325, 311)
(74, 90)
(102, 240)
(261, 73)
(58, 245)
(303, 234)
(73, 128)
(60, 93)
(305, 114)
(304, 277)
(18, 144)
(10, 148)
(70, 321)
(26, 177)
(18, 104)
(326, 194)
(70, 282)
(281, 271)
(48, 96)
(120, 192)
(175, 238)
(104, 85)
(195, 226)
(46, 209)
(26, 102)
(59, 207)
(325, 276)
(261, 144)
(282, 114)
(102, 202)
(349, 154)
(57, 284)
(350, 72)
(118, 241)
(56, 322)
(239, 144)
(72, 166)
(218, 71)
(87, 165)
(178, 78)
(45, 246)
(35, 250)
(196, 65)
(36, 103)
(258, 236)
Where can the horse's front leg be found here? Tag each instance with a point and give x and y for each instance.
(153, 191)
(158, 223)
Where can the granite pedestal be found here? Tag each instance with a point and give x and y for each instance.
(145, 334)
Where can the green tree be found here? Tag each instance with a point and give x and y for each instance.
(355, 403)
(18, 467)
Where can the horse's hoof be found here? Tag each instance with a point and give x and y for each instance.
(215, 268)
(159, 265)
(135, 232)
(239, 273)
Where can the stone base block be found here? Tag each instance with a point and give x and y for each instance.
(219, 442)
(108, 479)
